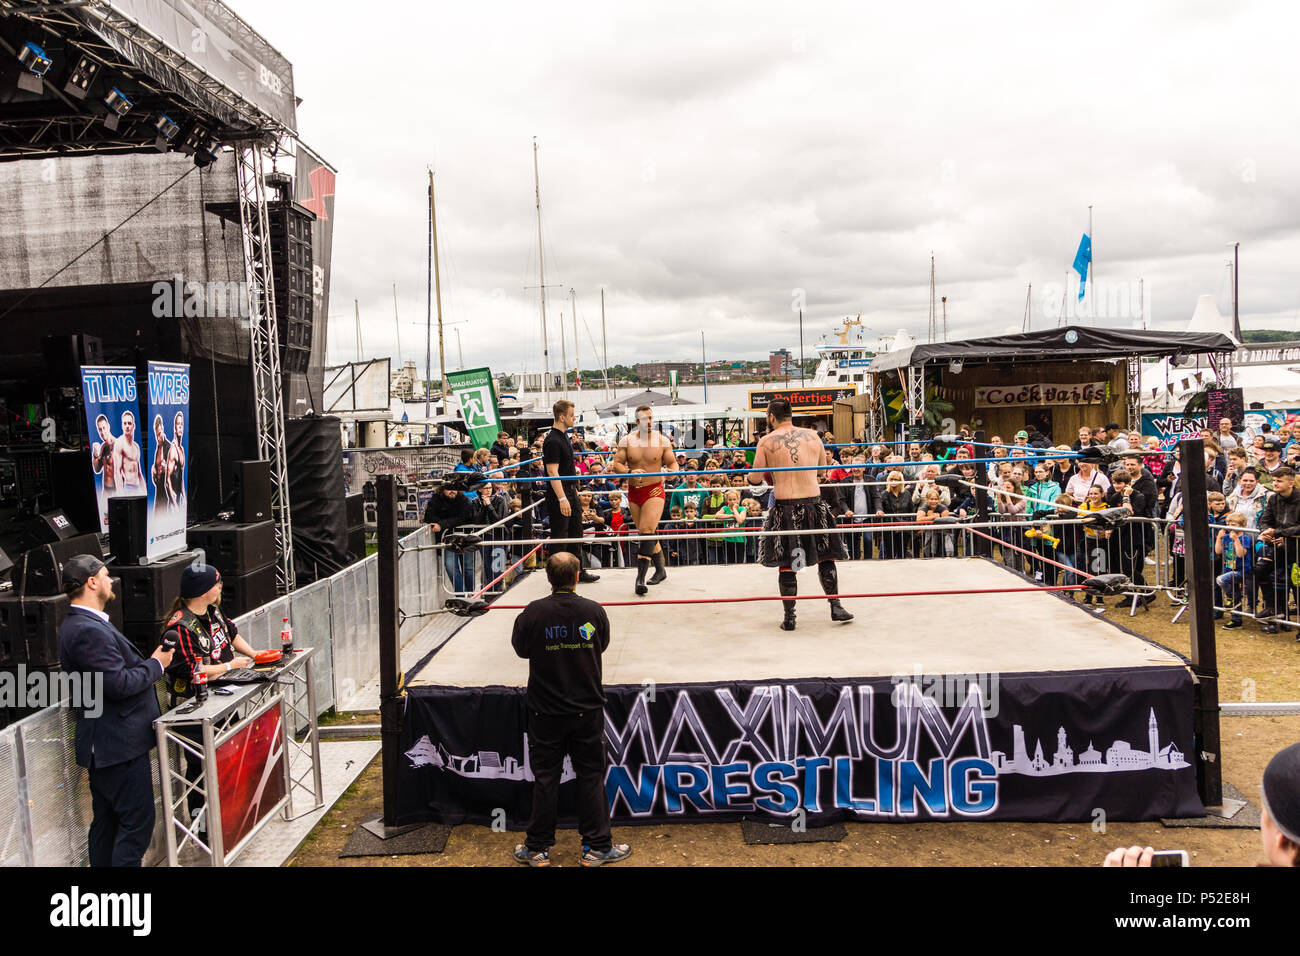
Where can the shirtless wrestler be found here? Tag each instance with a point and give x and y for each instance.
(798, 507)
(126, 457)
(645, 450)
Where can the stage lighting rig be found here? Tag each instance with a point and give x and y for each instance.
(82, 75)
(118, 106)
(206, 154)
(167, 128)
(34, 58)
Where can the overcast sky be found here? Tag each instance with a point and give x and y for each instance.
(701, 166)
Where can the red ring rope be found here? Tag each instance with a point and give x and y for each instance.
(811, 597)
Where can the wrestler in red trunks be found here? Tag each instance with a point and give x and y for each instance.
(639, 496)
(645, 451)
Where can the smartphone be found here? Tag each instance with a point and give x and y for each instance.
(1170, 858)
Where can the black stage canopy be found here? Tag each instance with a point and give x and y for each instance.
(1055, 345)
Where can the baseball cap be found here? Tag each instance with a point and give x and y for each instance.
(1271, 444)
(79, 569)
(1022, 434)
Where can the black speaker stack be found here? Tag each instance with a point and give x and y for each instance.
(244, 553)
(291, 266)
(32, 611)
(253, 502)
(356, 512)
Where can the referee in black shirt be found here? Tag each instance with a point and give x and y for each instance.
(563, 637)
(562, 496)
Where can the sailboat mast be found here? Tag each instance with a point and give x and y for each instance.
(541, 265)
(437, 291)
(428, 320)
(604, 345)
(1092, 270)
(577, 352)
(564, 357)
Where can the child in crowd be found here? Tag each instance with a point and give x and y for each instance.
(732, 515)
(1233, 547)
(1093, 557)
(934, 542)
(690, 547)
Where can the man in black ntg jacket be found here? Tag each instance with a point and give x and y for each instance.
(115, 737)
(563, 637)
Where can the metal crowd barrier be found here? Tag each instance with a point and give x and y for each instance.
(44, 799)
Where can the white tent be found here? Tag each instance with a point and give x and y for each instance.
(1167, 387)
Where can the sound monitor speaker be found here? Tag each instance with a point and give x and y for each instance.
(241, 593)
(50, 527)
(40, 570)
(148, 590)
(5, 564)
(254, 480)
(235, 548)
(29, 625)
(127, 522)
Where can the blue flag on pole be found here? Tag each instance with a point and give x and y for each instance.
(1083, 259)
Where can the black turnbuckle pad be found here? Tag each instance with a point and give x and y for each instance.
(1108, 517)
(461, 480)
(461, 543)
(1107, 583)
(951, 481)
(1103, 454)
(463, 607)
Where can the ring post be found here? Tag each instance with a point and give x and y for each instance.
(1200, 602)
(390, 662)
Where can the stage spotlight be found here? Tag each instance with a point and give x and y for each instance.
(37, 63)
(206, 153)
(118, 106)
(167, 129)
(193, 139)
(83, 74)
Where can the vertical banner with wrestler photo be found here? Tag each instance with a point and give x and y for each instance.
(112, 422)
(168, 458)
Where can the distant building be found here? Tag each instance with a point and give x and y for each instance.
(777, 362)
(658, 371)
(407, 382)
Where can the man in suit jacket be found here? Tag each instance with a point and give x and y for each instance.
(115, 735)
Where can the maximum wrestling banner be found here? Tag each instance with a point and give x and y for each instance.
(1066, 746)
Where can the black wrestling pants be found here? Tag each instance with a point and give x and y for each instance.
(582, 737)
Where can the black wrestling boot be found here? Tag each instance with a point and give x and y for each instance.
(642, 566)
(831, 585)
(661, 573)
(788, 585)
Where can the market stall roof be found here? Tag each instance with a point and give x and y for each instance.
(653, 399)
(1071, 342)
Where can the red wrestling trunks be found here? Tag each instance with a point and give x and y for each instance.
(639, 496)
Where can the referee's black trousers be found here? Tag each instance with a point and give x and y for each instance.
(582, 737)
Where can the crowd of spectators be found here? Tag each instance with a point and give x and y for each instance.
(1034, 487)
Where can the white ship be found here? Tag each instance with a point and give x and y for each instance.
(845, 355)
